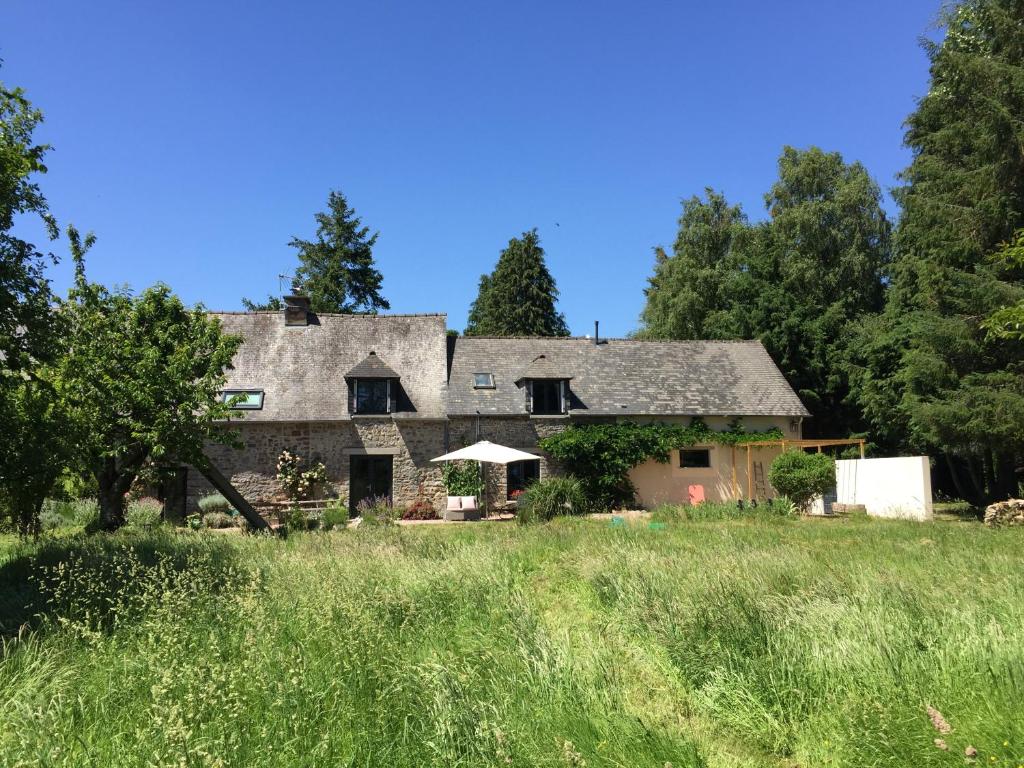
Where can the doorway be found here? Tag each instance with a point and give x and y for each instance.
(369, 476)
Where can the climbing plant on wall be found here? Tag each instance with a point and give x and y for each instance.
(602, 454)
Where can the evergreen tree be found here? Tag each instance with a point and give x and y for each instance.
(926, 372)
(518, 298)
(336, 270)
(795, 282)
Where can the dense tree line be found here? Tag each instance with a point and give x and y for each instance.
(915, 338)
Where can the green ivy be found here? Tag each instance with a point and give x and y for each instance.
(462, 478)
(602, 454)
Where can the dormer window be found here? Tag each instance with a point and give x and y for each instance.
(372, 387)
(548, 397)
(483, 381)
(546, 384)
(243, 399)
(372, 396)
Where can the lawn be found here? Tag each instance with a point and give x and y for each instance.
(728, 643)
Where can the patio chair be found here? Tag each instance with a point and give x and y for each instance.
(696, 493)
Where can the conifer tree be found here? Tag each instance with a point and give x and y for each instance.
(518, 298)
(927, 372)
(336, 270)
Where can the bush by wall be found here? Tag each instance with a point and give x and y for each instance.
(214, 502)
(801, 476)
(335, 515)
(550, 498)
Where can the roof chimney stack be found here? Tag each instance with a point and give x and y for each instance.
(296, 309)
(597, 339)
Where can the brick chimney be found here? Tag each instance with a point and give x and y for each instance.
(296, 310)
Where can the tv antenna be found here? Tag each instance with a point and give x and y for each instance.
(280, 282)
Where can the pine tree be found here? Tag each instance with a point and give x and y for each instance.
(518, 298)
(336, 270)
(926, 372)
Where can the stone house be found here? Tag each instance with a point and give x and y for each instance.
(375, 397)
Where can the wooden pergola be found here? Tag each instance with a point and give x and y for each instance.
(784, 444)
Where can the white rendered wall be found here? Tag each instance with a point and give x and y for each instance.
(896, 487)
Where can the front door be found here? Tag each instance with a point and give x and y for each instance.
(370, 476)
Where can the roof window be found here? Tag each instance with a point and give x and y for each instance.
(483, 381)
(243, 399)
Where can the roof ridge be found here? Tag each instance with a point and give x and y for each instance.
(609, 338)
(327, 314)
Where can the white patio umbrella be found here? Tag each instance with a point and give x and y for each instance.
(487, 452)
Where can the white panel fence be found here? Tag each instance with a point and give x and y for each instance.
(897, 487)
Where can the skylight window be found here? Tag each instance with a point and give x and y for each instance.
(483, 381)
(243, 399)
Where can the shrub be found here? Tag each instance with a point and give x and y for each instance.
(421, 509)
(801, 476)
(84, 512)
(60, 513)
(214, 502)
(462, 478)
(296, 518)
(218, 520)
(143, 513)
(551, 497)
(299, 483)
(335, 515)
(376, 510)
(50, 518)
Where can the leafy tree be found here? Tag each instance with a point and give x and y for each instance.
(928, 374)
(140, 381)
(518, 298)
(336, 270)
(801, 476)
(28, 337)
(687, 297)
(796, 281)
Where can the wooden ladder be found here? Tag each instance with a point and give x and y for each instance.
(760, 487)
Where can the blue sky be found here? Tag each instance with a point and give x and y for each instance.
(195, 138)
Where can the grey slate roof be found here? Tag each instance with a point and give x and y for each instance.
(542, 367)
(372, 367)
(302, 368)
(625, 377)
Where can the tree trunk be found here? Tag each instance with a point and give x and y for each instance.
(977, 480)
(1005, 476)
(955, 476)
(114, 478)
(111, 499)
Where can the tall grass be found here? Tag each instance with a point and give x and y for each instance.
(732, 643)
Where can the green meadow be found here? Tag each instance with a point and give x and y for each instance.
(770, 642)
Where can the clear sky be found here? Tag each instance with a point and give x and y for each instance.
(195, 138)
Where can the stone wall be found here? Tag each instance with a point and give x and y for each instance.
(253, 470)
(520, 432)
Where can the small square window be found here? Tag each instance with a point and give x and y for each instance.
(483, 381)
(243, 399)
(697, 458)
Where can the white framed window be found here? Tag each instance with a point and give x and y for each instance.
(483, 381)
(243, 399)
